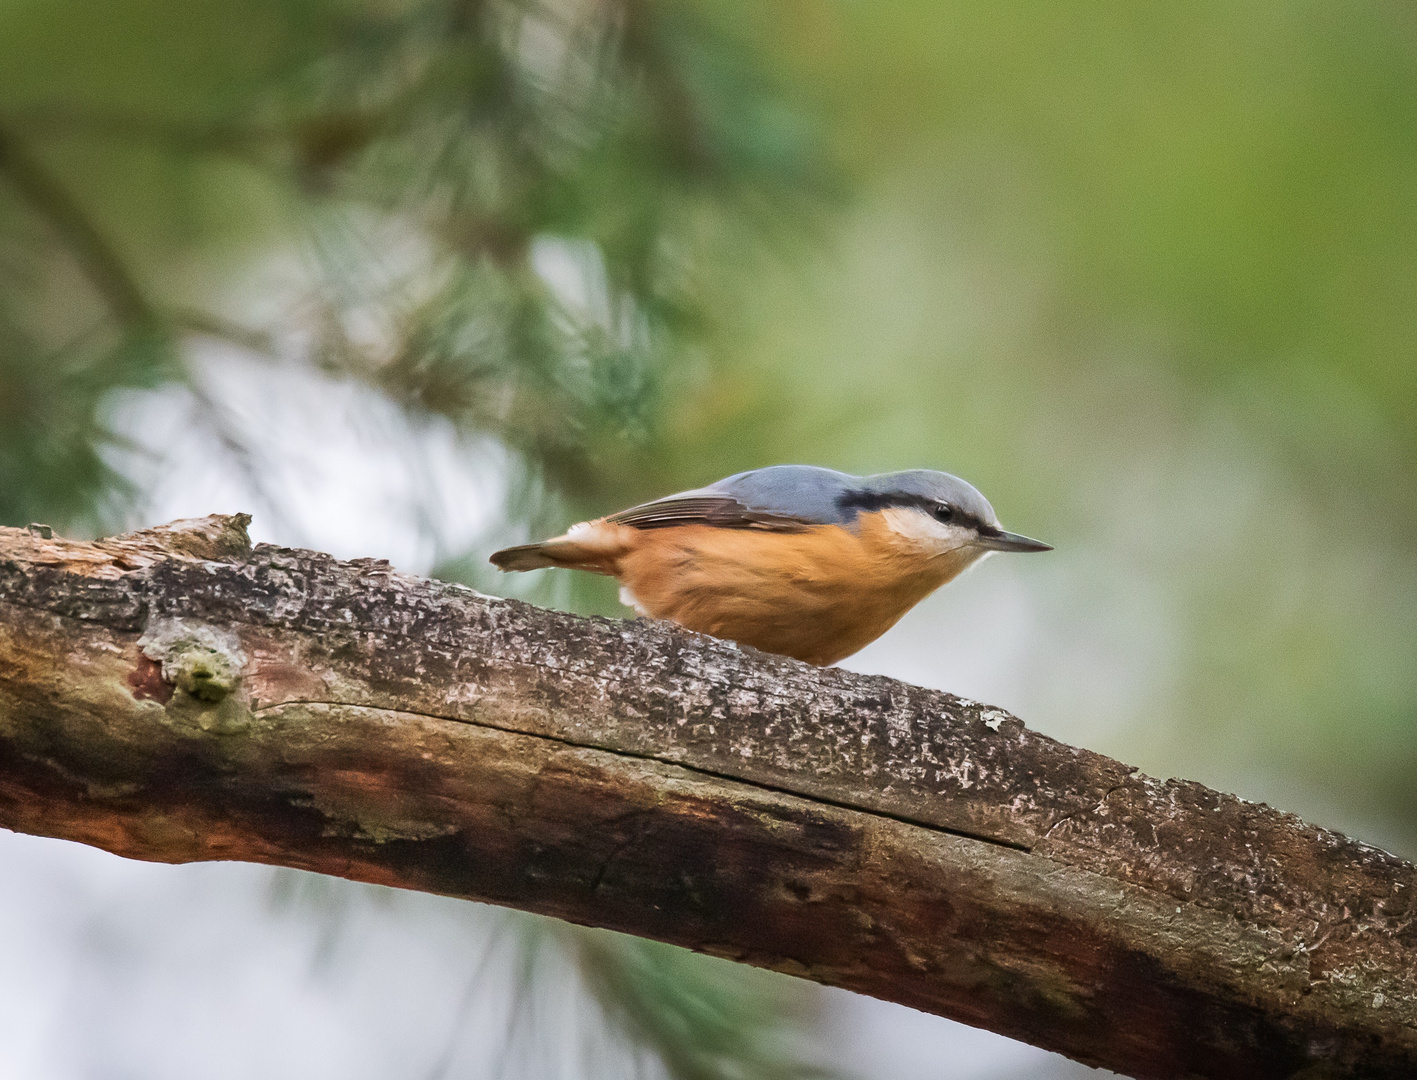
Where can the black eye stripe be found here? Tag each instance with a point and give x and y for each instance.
(853, 502)
(873, 500)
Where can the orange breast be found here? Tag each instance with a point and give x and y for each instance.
(818, 595)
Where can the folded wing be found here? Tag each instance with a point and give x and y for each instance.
(781, 498)
(716, 509)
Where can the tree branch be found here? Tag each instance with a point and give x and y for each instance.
(174, 695)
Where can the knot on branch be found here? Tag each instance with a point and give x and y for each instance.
(203, 661)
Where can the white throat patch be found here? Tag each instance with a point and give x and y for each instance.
(919, 529)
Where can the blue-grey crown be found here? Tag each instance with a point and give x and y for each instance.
(825, 496)
(934, 492)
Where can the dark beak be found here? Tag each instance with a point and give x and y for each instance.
(995, 539)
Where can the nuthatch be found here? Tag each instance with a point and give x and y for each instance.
(791, 559)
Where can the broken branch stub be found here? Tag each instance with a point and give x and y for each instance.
(176, 695)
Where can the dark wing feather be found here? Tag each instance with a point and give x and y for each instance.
(721, 511)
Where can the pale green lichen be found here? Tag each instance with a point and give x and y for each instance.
(202, 671)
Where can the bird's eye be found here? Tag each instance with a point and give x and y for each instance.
(944, 512)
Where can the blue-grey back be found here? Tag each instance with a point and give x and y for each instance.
(806, 493)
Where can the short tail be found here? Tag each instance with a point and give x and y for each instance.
(527, 557)
(591, 546)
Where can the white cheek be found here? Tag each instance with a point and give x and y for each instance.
(923, 530)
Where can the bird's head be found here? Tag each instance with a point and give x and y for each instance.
(936, 513)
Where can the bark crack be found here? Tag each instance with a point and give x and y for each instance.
(758, 785)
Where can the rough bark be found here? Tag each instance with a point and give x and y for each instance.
(175, 695)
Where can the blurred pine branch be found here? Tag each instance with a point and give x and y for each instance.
(502, 210)
(502, 207)
(704, 1019)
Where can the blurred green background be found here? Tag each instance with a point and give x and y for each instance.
(1146, 275)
